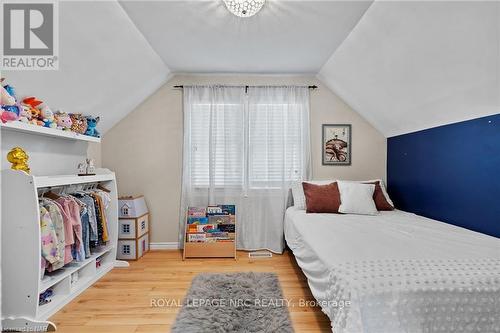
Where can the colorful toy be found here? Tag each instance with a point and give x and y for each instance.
(19, 159)
(63, 121)
(31, 103)
(6, 115)
(79, 123)
(48, 117)
(25, 115)
(91, 126)
(9, 110)
(10, 90)
(6, 98)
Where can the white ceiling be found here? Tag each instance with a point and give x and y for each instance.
(408, 66)
(404, 66)
(284, 37)
(106, 66)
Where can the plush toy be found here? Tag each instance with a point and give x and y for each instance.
(63, 120)
(91, 126)
(6, 98)
(10, 90)
(78, 123)
(25, 115)
(47, 117)
(9, 113)
(31, 104)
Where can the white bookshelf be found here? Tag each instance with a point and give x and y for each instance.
(21, 283)
(19, 126)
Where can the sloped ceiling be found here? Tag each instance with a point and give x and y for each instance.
(408, 66)
(284, 37)
(106, 66)
(403, 65)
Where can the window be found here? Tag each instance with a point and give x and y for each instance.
(126, 228)
(217, 132)
(126, 249)
(275, 144)
(253, 140)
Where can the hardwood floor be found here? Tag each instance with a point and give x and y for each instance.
(121, 301)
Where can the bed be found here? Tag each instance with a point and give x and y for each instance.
(397, 272)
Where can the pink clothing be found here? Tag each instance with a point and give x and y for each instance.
(72, 225)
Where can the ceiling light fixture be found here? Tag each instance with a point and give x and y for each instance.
(244, 8)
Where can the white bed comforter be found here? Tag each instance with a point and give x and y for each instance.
(400, 272)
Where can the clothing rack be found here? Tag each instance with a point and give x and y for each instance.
(21, 244)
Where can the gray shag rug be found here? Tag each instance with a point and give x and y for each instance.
(238, 302)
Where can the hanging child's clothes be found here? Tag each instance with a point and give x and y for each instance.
(105, 201)
(48, 237)
(89, 223)
(85, 225)
(89, 201)
(78, 249)
(102, 233)
(101, 216)
(73, 234)
(57, 220)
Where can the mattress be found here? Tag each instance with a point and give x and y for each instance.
(397, 272)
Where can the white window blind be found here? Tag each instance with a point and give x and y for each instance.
(217, 137)
(260, 142)
(275, 144)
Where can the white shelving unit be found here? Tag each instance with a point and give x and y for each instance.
(19, 126)
(21, 283)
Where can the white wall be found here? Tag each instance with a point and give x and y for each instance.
(48, 155)
(145, 148)
(412, 65)
(106, 66)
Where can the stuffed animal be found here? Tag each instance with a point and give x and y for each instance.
(63, 121)
(91, 126)
(78, 123)
(10, 90)
(25, 115)
(48, 117)
(6, 98)
(9, 113)
(36, 115)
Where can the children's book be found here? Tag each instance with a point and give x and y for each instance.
(197, 220)
(214, 210)
(197, 211)
(227, 227)
(228, 209)
(219, 219)
(200, 237)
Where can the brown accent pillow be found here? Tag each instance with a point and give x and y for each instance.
(379, 198)
(322, 198)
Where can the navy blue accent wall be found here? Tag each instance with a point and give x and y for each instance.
(449, 173)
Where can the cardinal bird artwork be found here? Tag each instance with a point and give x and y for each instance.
(336, 144)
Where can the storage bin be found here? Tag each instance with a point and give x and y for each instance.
(132, 206)
(133, 249)
(133, 228)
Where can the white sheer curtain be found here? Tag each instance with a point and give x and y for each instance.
(245, 148)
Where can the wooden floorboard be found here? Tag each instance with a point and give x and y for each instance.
(121, 301)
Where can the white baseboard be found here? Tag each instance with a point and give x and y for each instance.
(164, 246)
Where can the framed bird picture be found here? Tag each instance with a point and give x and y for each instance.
(336, 144)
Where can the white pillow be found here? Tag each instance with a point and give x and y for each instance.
(382, 186)
(357, 198)
(299, 198)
